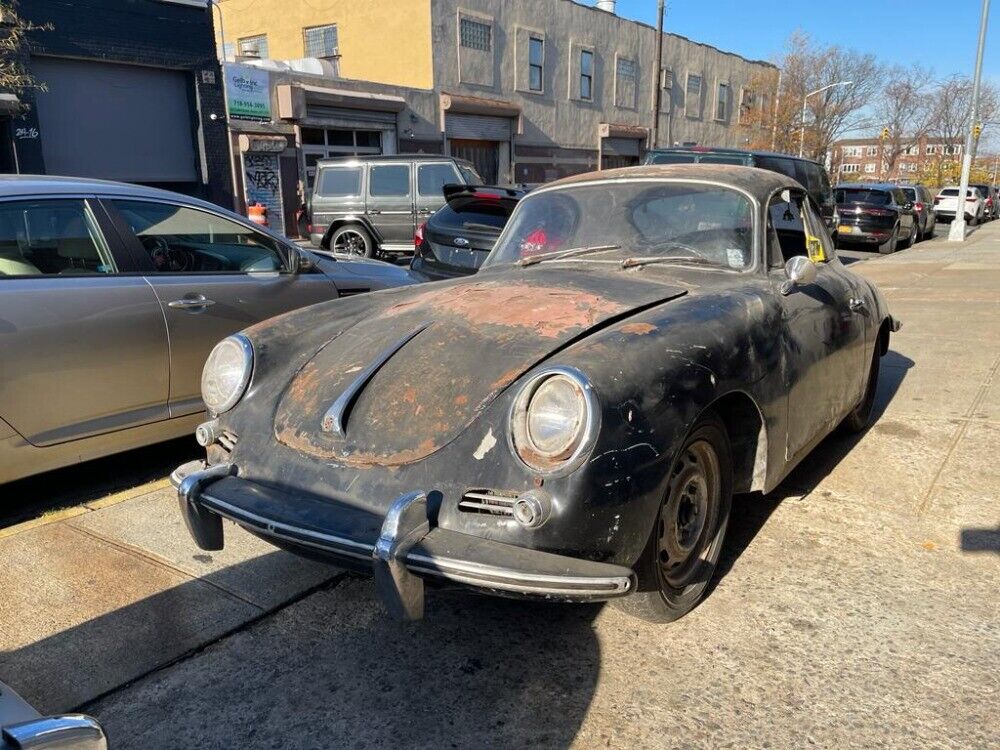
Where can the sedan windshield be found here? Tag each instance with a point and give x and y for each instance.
(685, 221)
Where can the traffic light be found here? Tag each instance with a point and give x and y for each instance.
(885, 133)
(976, 130)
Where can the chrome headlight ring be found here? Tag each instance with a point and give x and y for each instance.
(561, 457)
(227, 372)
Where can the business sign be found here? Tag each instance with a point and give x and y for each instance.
(248, 91)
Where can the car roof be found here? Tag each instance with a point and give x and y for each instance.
(16, 186)
(726, 150)
(391, 157)
(760, 183)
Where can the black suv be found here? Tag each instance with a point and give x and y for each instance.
(366, 205)
(874, 213)
(810, 174)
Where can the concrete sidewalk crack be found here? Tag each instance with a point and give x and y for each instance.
(959, 434)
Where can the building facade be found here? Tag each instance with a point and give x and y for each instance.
(528, 90)
(133, 92)
(865, 160)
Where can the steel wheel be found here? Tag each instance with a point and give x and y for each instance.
(353, 240)
(689, 513)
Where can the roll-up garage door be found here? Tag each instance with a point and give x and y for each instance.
(359, 116)
(118, 122)
(478, 127)
(620, 147)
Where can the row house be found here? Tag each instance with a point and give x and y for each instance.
(865, 160)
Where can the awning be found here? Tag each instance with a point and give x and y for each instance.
(616, 130)
(292, 100)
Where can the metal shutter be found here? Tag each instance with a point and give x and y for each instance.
(358, 116)
(620, 147)
(118, 122)
(478, 127)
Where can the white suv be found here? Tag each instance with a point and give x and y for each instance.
(946, 205)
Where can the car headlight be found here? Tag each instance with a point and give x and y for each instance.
(553, 419)
(227, 373)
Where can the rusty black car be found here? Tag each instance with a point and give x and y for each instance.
(572, 422)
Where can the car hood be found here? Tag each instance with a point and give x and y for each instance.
(409, 377)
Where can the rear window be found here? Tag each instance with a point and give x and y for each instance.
(482, 216)
(910, 193)
(339, 181)
(950, 191)
(878, 197)
(672, 159)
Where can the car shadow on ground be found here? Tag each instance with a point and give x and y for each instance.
(750, 513)
(80, 483)
(331, 670)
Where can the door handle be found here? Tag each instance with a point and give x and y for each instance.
(191, 303)
(374, 211)
(857, 305)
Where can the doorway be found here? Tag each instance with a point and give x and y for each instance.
(484, 155)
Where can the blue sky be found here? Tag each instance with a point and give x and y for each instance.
(941, 34)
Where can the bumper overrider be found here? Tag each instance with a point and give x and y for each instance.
(402, 549)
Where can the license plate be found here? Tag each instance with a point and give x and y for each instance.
(845, 229)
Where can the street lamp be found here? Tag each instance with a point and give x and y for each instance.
(802, 132)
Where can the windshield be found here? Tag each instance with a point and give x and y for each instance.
(682, 220)
(877, 197)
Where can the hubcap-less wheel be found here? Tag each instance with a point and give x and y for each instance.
(689, 516)
(350, 241)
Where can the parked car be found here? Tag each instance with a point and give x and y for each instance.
(456, 239)
(946, 204)
(873, 213)
(571, 422)
(111, 298)
(989, 195)
(810, 174)
(371, 205)
(923, 203)
(23, 728)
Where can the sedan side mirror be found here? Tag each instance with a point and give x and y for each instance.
(301, 260)
(799, 271)
(69, 732)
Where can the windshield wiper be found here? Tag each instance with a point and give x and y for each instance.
(559, 254)
(482, 227)
(637, 262)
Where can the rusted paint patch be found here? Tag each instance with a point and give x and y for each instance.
(638, 329)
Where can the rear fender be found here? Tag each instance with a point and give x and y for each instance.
(350, 219)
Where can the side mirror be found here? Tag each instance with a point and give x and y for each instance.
(799, 271)
(69, 732)
(301, 261)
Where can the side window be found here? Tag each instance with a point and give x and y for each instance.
(51, 237)
(179, 239)
(779, 165)
(339, 182)
(471, 176)
(785, 229)
(817, 233)
(431, 178)
(389, 181)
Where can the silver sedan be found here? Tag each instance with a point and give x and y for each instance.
(112, 297)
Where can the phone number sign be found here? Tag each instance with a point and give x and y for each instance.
(248, 92)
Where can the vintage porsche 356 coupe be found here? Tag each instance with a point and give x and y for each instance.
(572, 422)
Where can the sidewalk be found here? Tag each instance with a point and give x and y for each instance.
(857, 605)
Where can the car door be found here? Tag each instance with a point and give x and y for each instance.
(431, 179)
(824, 329)
(83, 344)
(389, 205)
(213, 276)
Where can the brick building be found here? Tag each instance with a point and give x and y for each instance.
(863, 160)
(133, 93)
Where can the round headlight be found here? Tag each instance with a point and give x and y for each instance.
(227, 373)
(552, 419)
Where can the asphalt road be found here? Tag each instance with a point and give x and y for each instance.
(856, 605)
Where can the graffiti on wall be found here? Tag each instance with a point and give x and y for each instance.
(263, 183)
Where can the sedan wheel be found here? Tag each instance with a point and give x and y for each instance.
(682, 552)
(353, 240)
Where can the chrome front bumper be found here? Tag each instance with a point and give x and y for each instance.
(402, 549)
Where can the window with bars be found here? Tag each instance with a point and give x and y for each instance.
(474, 34)
(586, 74)
(626, 73)
(320, 41)
(536, 59)
(254, 46)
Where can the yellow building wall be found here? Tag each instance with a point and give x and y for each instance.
(388, 41)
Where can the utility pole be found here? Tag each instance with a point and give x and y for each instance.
(659, 74)
(774, 122)
(956, 233)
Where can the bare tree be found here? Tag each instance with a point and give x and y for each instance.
(903, 108)
(950, 110)
(14, 77)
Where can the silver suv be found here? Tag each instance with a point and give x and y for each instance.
(371, 205)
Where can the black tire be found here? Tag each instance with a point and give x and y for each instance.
(861, 415)
(691, 523)
(353, 239)
(889, 246)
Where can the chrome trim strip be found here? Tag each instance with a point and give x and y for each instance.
(333, 420)
(70, 731)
